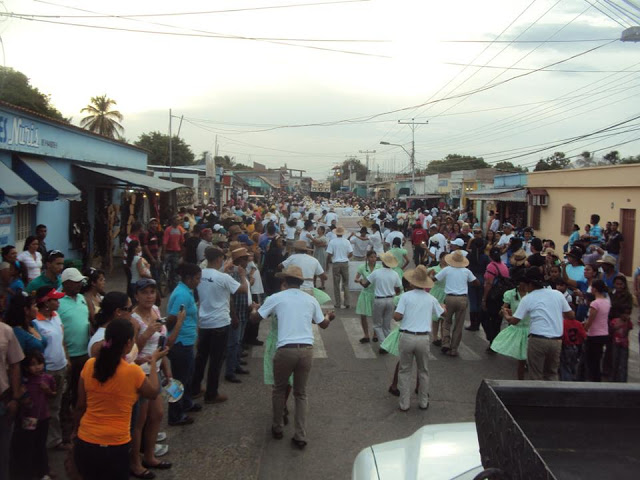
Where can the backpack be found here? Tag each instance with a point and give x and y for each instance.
(500, 285)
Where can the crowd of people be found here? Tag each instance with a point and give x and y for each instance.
(82, 366)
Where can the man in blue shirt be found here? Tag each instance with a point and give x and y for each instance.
(595, 234)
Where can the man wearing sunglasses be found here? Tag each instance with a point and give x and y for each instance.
(50, 277)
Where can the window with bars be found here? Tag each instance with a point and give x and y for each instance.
(24, 219)
(568, 219)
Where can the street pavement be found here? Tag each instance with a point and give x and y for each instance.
(349, 408)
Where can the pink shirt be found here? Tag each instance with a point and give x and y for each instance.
(494, 268)
(600, 325)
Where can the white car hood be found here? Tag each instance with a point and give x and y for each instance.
(434, 452)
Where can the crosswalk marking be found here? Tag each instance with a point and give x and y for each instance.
(319, 351)
(354, 334)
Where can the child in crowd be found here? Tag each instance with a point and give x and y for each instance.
(29, 450)
(563, 288)
(573, 337)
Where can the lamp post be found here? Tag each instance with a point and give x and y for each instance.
(411, 158)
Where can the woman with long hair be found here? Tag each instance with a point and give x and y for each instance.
(107, 390)
(597, 327)
(490, 241)
(151, 330)
(455, 231)
(30, 259)
(94, 291)
(581, 289)
(21, 316)
(364, 306)
(138, 265)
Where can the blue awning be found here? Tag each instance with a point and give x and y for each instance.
(13, 189)
(49, 184)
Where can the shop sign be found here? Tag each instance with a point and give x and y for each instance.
(21, 132)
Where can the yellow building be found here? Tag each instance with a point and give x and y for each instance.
(558, 199)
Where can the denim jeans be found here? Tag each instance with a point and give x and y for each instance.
(182, 365)
(234, 349)
(212, 347)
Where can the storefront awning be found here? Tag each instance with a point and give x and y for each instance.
(135, 179)
(13, 189)
(499, 194)
(49, 184)
(538, 191)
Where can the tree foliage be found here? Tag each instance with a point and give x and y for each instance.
(101, 118)
(557, 161)
(612, 158)
(510, 167)
(453, 162)
(158, 146)
(17, 90)
(356, 166)
(586, 160)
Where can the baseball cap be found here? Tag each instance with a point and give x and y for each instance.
(244, 238)
(458, 242)
(73, 275)
(47, 293)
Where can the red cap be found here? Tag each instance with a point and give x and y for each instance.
(53, 294)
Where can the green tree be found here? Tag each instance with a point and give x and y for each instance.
(586, 160)
(630, 160)
(158, 146)
(510, 167)
(557, 161)
(101, 118)
(454, 162)
(356, 166)
(17, 90)
(612, 158)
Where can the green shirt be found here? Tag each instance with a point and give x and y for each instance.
(74, 314)
(43, 281)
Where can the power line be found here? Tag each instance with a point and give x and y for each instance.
(530, 69)
(530, 41)
(606, 14)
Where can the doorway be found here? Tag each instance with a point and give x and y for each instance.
(628, 229)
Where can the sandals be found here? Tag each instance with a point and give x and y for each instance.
(146, 475)
(158, 466)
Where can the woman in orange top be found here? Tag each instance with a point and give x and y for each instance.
(107, 391)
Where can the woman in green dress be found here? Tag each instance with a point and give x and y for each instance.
(512, 341)
(437, 291)
(364, 307)
(402, 256)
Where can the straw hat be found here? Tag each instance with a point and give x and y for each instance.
(518, 258)
(419, 277)
(456, 259)
(292, 271)
(301, 245)
(234, 230)
(340, 231)
(239, 253)
(389, 259)
(607, 259)
(549, 251)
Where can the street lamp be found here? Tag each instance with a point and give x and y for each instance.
(413, 173)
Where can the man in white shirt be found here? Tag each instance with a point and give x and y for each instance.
(415, 310)
(547, 310)
(309, 265)
(386, 284)
(214, 320)
(295, 311)
(331, 216)
(360, 244)
(206, 235)
(339, 251)
(437, 243)
(494, 224)
(394, 233)
(457, 278)
(503, 243)
(426, 222)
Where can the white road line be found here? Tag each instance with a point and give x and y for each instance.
(467, 354)
(265, 327)
(354, 334)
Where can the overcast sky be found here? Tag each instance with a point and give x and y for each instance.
(235, 87)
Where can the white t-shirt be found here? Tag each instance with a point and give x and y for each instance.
(202, 246)
(214, 290)
(360, 247)
(97, 337)
(456, 280)
(54, 356)
(339, 248)
(330, 236)
(330, 217)
(257, 288)
(442, 244)
(418, 308)
(545, 308)
(34, 267)
(307, 237)
(384, 281)
(375, 239)
(295, 310)
(152, 344)
(295, 215)
(426, 223)
(495, 225)
(309, 265)
(504, 240)
(395, 234)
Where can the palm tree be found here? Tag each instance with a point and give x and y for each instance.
(101, 118)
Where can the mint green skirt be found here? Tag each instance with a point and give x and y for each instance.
(513, 340)
(390, 343)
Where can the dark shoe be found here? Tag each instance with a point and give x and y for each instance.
(159, 466)
(242, 371)
(243, 362)
(217, 399)
(196, 407)
(394, 392)
(365, 340)
(374, 339)
(472, 328)
(298, 443)
(277, 435)
(382, 351)
(231, 379)
(147, 475)
(437, 343)
(445, 350)
(186, 420)
(255, 341)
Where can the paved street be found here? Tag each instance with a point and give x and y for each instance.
(349, 408)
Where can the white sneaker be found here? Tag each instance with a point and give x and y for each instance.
(161, 450)
(162, 436)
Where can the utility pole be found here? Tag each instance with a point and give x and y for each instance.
(413, 125)
(170, 149)
(366, 178)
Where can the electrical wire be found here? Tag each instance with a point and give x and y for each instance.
(623, 11)
(584, 40)
(605, 13)
(530, 69)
